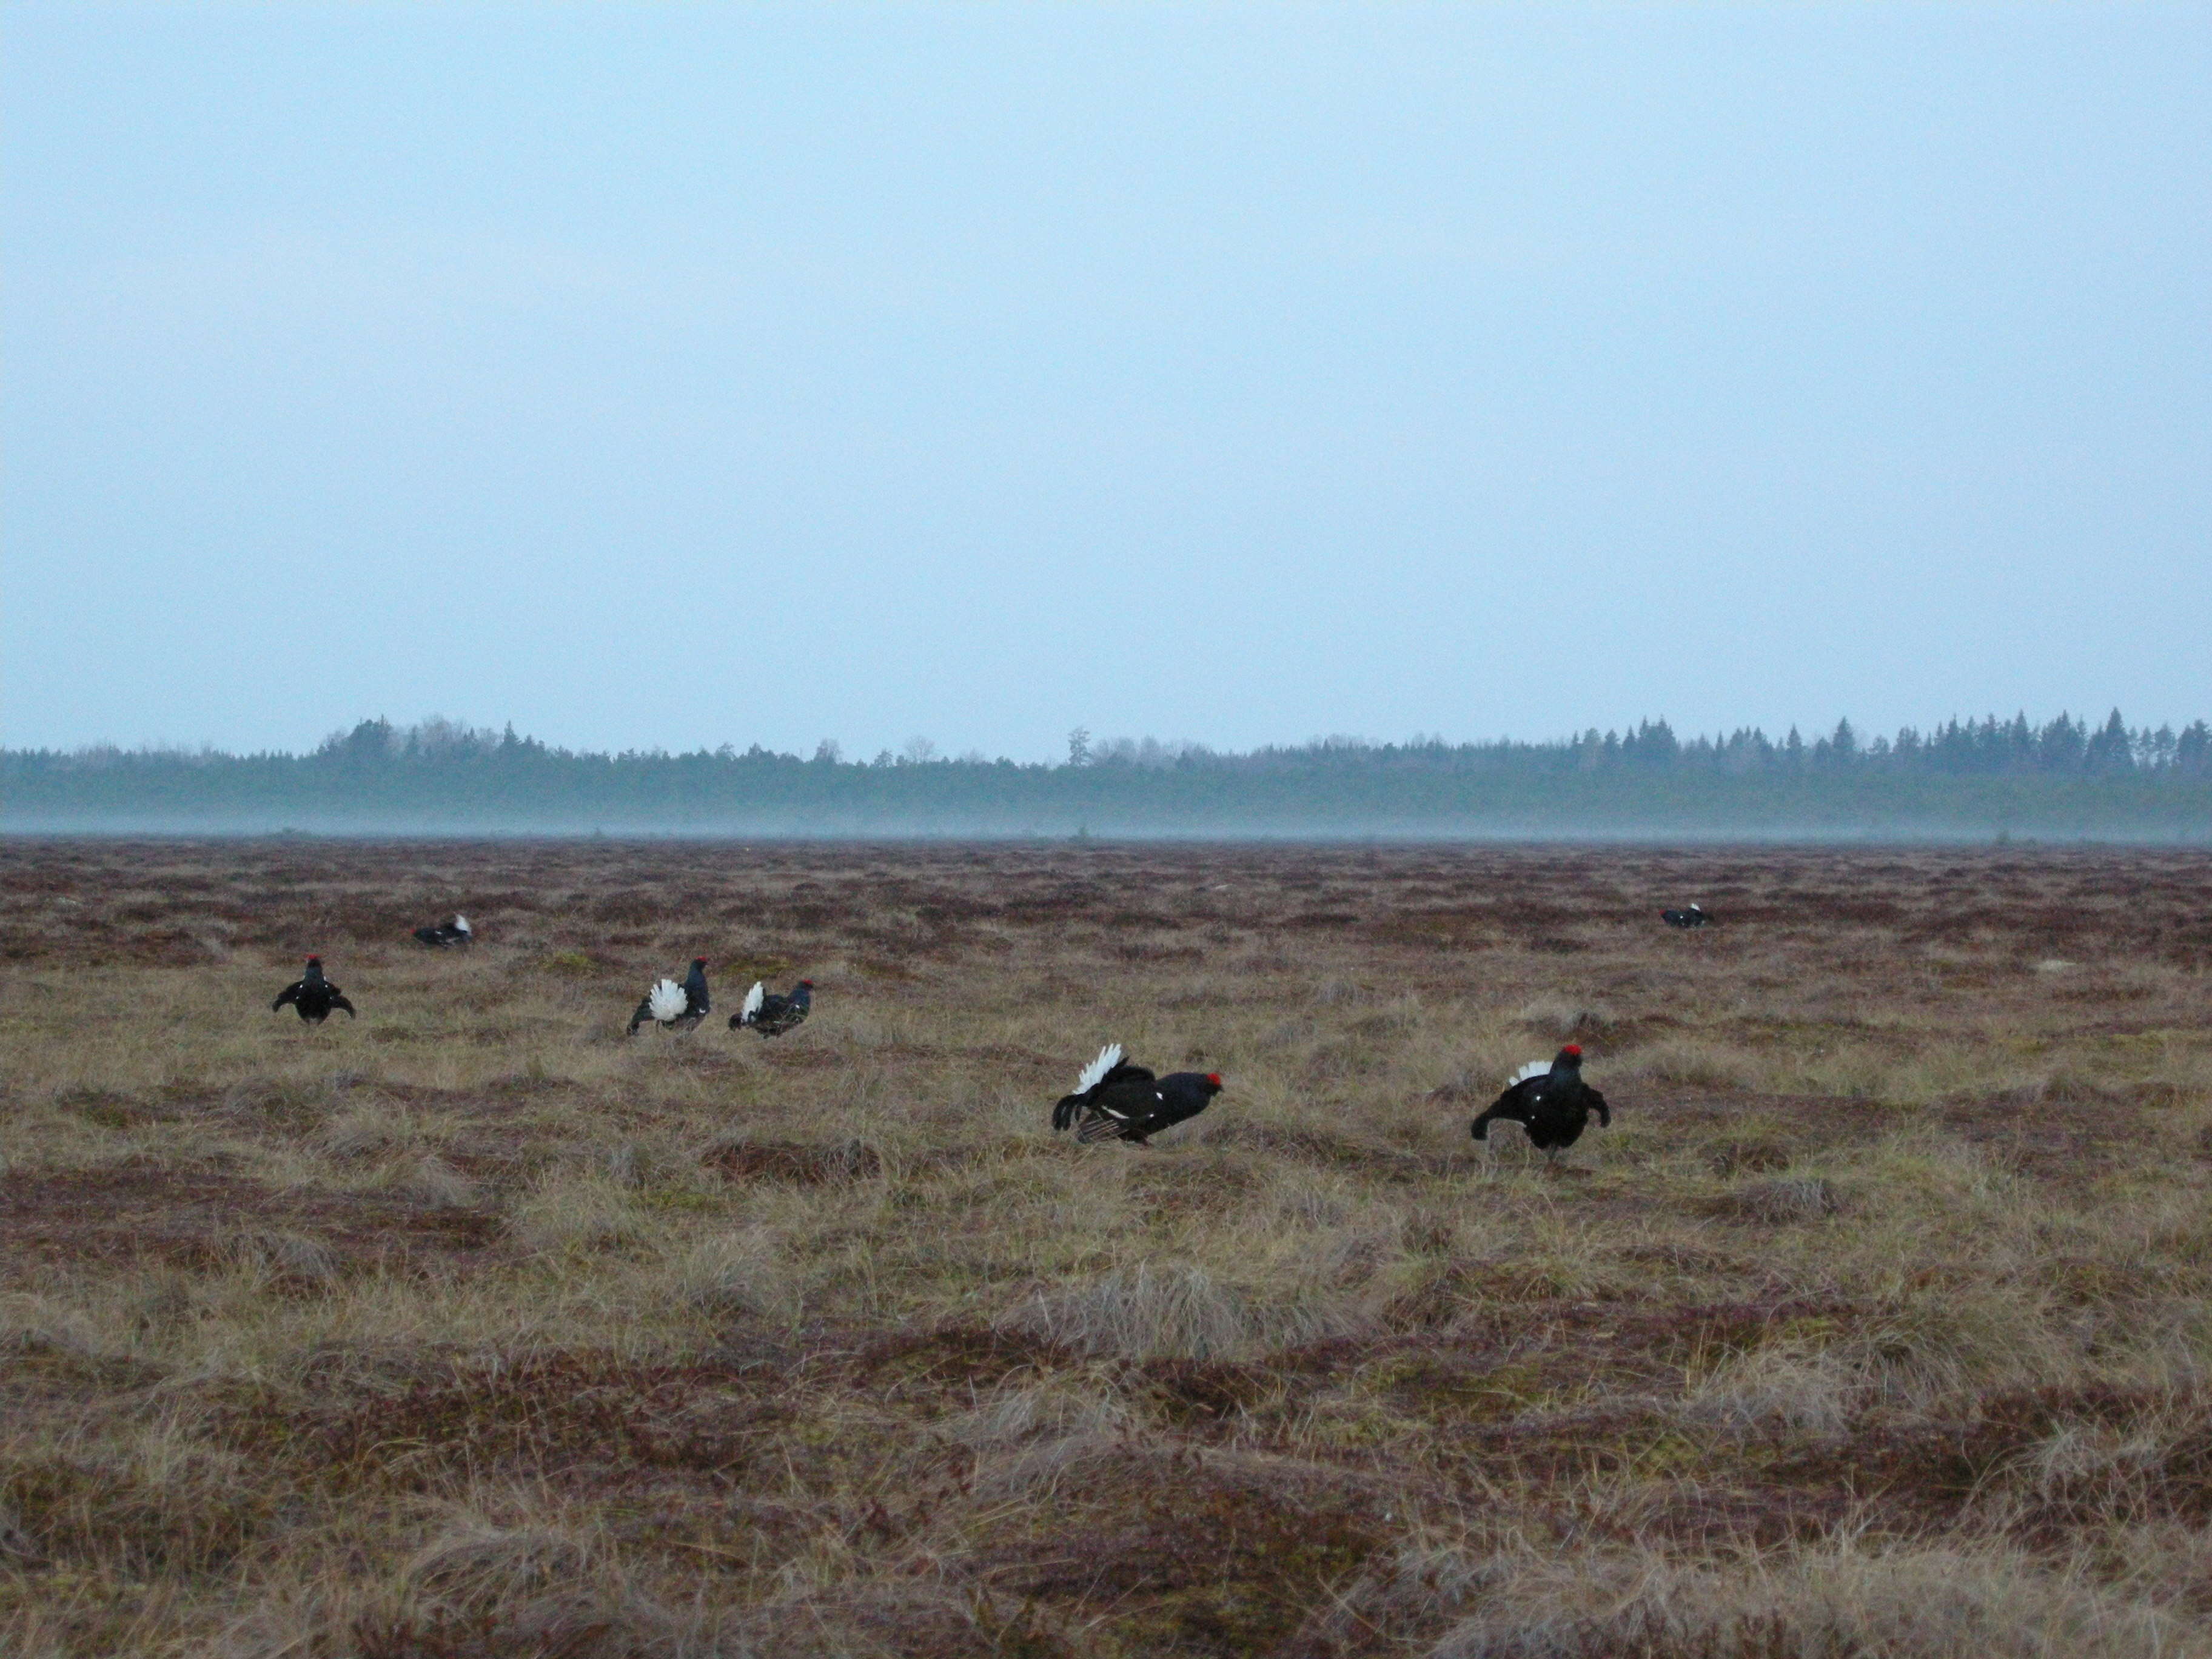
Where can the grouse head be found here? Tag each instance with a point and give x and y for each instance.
(1569, 1059)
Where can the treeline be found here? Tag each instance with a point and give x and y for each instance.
(1964, 779)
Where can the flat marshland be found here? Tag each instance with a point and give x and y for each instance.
(1876, 1324)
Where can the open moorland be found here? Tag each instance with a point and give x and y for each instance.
(1878, 1323)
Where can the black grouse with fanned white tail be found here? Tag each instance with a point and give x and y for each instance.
(764, 1011)
(454, 931)
(1114, 1100)
(312, 996)
(1551, 1103)
(1693, 916)
(677, 1007)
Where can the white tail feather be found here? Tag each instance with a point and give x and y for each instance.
(751, 1004)
(667, 1001)
(1109, 1058)
(1533, 1068)
(461, 925)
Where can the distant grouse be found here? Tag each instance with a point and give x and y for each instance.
(453, 930)
(667, 1003)
(1550, 1102)
(312, 996)
(771, 1015)
(1695, 916)
(1114, 1100)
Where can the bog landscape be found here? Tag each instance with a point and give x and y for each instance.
(1875, 1323)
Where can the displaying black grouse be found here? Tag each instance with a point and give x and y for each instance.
(312, 996)
(772, 1015)
(681, 1006)
(1551, 1103)
(1695, 916)
(452, 931)
(1116, 1100)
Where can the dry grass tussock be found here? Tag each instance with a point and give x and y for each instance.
(1900, 1602)
(1880, 1322)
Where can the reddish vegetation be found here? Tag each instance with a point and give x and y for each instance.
(138, 1207)
(480, 1330)
(799, 1165)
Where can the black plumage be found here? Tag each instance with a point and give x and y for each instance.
(680, 1007)
(452, 931)
(1115, 1100)
(771, 1015)
(312, 996)
(1694, 916)
(1553, 1105)
(1109, 1087)
(1180, 1095)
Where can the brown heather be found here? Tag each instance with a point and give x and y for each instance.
(1877, 1324)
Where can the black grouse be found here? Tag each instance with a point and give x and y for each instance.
(453, 930)
(1551, 1103)
(772, 1015)
(1116, 1100)
(1695, 916)
(682, 1006)
(312, 996)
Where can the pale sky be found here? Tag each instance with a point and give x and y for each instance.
(665, 377)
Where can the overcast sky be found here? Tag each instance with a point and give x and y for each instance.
(657, 377)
